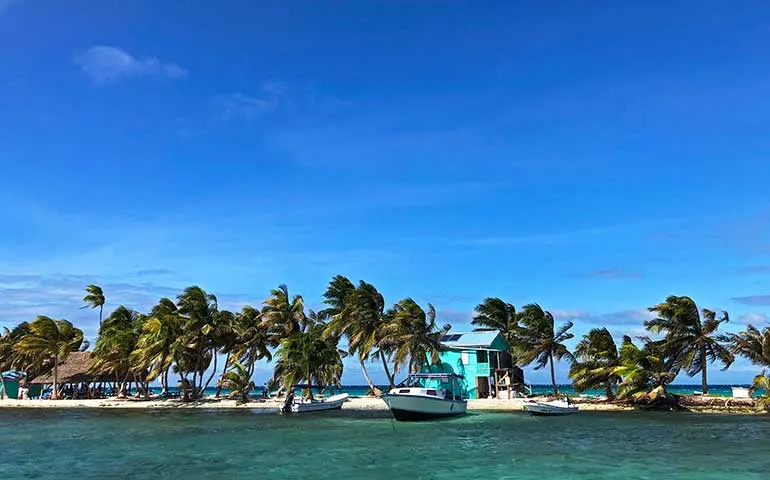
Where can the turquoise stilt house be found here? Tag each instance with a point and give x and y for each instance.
(484, 360)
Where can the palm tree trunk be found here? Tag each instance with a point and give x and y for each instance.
(704, 375)
(553, 374)
(387, 371)
(213, 371)
(101, 308)
(54, 394)
(376, 391)
(2, 385)
(224, 369)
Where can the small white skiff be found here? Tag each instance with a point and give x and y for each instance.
(554, 407)
(317, 405)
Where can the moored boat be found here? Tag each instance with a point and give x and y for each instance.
(426, 396)
(316, 405)
(552, 408)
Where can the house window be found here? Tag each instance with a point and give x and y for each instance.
(465, 358)
(481, 356)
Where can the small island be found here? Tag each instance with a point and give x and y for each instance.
(190, 345)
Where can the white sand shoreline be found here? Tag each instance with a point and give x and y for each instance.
(353, 404)
(356, 403)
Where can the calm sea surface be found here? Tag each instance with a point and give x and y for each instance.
(91, 444)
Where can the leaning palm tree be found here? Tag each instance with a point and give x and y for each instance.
(690, 340)
(598, 357)
(159, 340)
(644, 369)
(200, 311)
(357, 313)
(94, 299)
(49, 339)
(238, 381)
(251, 339)
(538, 342)
(283, 313)
(117, 342)
(496, 314)
(752, 344)
(309, 357)
(414, 335)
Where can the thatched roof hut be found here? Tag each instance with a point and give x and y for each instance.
(74, 369)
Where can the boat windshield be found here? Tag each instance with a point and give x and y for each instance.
(447, 383)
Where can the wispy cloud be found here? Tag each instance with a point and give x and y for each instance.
(753, 300)
(611, 273)
(246, 106)
(624, 317)
(105, 64)
(754, 269)
(753, 318)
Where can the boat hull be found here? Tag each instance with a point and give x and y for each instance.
(544, 410)
(416, 407)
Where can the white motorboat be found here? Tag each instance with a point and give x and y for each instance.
(741, 392)
(304, 405)
(425, 396)
(554, 407)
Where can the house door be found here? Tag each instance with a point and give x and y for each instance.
(482, 387)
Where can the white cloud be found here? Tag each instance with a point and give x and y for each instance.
(104, 64)
(241, 105)
(246, 106)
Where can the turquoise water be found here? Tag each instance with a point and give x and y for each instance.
(91, 444)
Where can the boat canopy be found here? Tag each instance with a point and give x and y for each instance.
(435, 375)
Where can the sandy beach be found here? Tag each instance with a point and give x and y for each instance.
(358, 403)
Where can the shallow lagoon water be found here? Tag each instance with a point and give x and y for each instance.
(90, 444)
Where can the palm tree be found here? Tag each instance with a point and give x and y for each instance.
(644, 369)
(7, 342)
(159, 341)
(762, 382)
(752, 344)
(250, 339)
(599, 358)
(309, 357)
(238, 381)
(201, 315)
(357, 313)
(49, 339)
(283, 314)
(94, 299)
(496, 314)
(117, 342)
(413, 335)
(537, 341)
(691, 341)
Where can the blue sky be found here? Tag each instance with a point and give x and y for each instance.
(594, 157)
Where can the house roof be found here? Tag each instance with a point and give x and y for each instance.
(74, 369)
(478, 340)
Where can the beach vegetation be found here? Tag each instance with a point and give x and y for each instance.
(496, 314)
(238, 380)
(94, 298)
(690, 336)
(596, 361)
(413, 335)
(48, 340)
(539, 342)
(645, 370)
